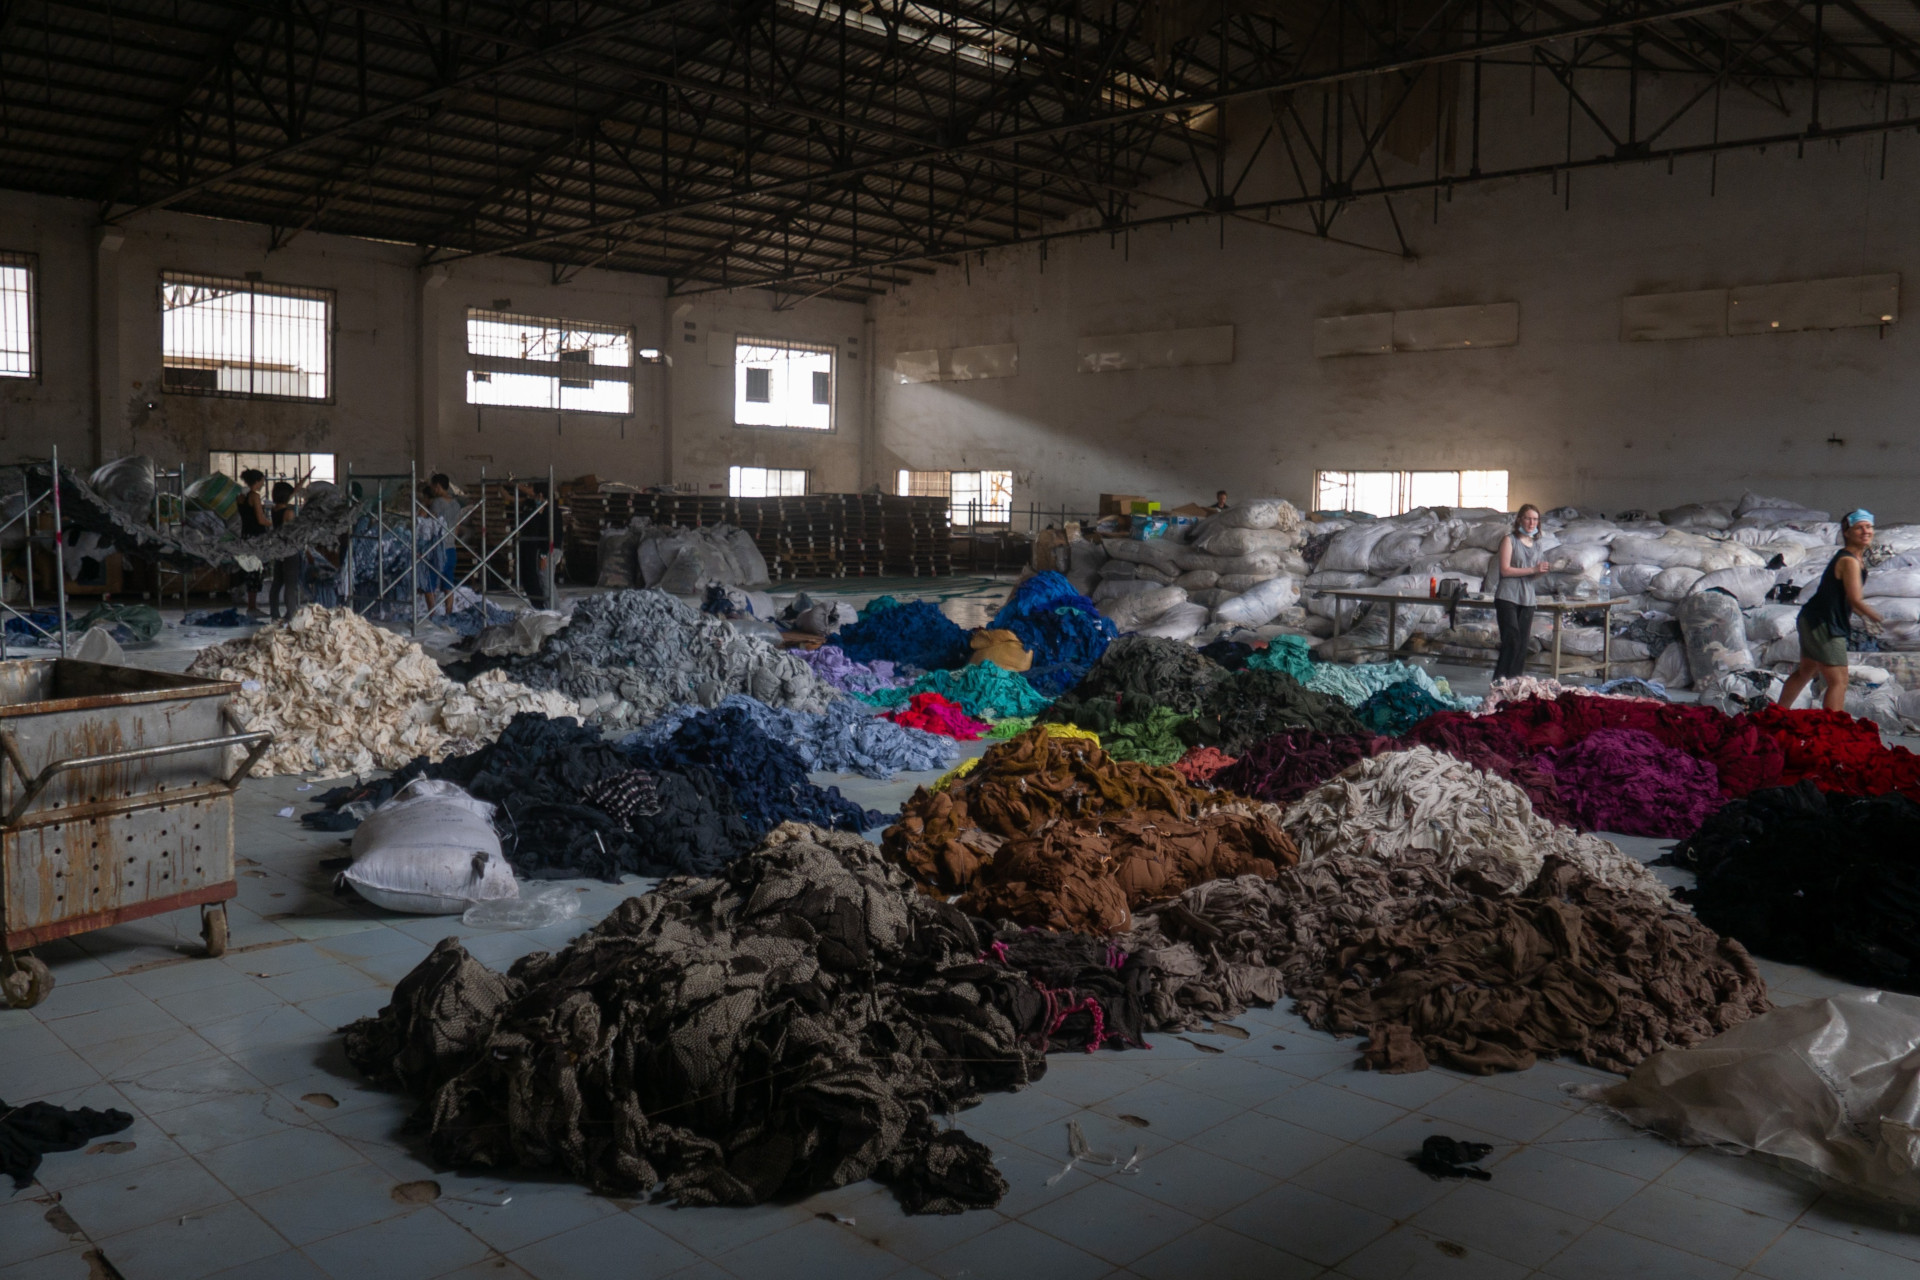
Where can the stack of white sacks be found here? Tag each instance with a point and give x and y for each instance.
(1240, 568)
(1705, 570)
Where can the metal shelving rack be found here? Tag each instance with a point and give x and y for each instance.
(49, 502)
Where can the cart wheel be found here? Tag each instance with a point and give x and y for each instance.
(213, 927)
(24, 980)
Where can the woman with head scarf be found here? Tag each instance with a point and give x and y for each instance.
(1827, 616)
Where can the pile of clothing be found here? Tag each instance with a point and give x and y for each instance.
(845, 738)
(915, 634)
(568, 803)
(342, 696)
(629, 656)
(1060, 628)
(803, 1022)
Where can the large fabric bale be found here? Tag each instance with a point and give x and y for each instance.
(1110, 590)
(1260, 605)
(1134, 611)
(1351, 549)
(1674, 584)
(1231, 540)
(1260, 564)
(1152, 551)
(1260, 513)
(1748, 586)
(1180, 622)
(1900, 582)
(1699, 515)
(1715, 634)
(1633, 579)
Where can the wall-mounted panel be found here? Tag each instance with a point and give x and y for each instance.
(1496, 324)
(1159, 349)
(1842, 303)
(964, 364)
(1362, 335)
(1667, 317)
(917, 366)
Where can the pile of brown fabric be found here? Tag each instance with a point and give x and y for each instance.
(944, 837)
(802, 1021)
(1433, 963)
(1054, 832)
(1086, 876)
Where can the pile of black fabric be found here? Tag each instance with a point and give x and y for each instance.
(768, 778)
(1805, 877)
(1160, 672)
(801, 1022)
(28, 1132)
(1255, 704)
(1231, 654)
(566, 805)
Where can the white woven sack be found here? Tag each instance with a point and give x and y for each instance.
(431, 850)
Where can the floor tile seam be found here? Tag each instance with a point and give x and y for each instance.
(1729, 1204)
(103, 1243)
(122, 1083)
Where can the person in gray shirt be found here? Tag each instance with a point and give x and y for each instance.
(1517, 564)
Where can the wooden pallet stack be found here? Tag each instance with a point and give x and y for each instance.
(863, 548)
(917, 535)
(760, 519)
(811, 530)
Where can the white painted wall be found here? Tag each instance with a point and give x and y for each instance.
(1575, 414)
(398, 362)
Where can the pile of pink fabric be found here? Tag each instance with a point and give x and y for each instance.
(935, 714)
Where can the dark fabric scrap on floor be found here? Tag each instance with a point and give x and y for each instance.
(914, 634)
(800, 1023)
(1249, 705)
(1806, 877)
(768, 778)
(30, 1132)
(1443, 1157)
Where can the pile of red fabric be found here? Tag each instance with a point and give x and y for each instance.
(935, 714)
(1838, 752)
(1201, 764)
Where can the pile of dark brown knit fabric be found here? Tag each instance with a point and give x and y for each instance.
(1052, 832)
(1444, 967)
(800, 1022)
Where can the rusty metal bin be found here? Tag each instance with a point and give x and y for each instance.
(116, 803)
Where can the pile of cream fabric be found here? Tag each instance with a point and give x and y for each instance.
(342, 696)
(1424, 800)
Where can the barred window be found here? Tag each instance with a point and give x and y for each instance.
(765, 482)
(538, 362)
(782, 384)
(19, 316)
(1392, 493)
(221, 337)
(973, 497)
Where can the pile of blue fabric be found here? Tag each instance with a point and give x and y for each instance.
(915, 634)
(768, 778)
(847, 738)
(1060, 627)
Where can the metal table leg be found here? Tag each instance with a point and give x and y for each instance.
(1393, 625)
(1557, 616)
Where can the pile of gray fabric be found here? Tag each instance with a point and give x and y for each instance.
(801, 1023)
(629, 656)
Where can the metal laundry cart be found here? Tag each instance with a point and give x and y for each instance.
(116, 803)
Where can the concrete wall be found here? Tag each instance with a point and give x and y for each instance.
(398, 360)
(1576, 414)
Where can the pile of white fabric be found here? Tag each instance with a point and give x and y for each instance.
(1422, 799)
(341, 696)
(684, 562)
(1239, 568)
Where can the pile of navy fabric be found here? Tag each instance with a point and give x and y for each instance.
(543, 776)
(915, 634)
(1060, 627)
(768, 778)
(846, 738)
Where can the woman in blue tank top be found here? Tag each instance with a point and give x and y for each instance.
(1827, 616)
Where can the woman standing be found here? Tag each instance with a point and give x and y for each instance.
(285, 592)
(1827, 617)
(1513, 599)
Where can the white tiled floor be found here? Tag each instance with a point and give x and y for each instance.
(257, 1151)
